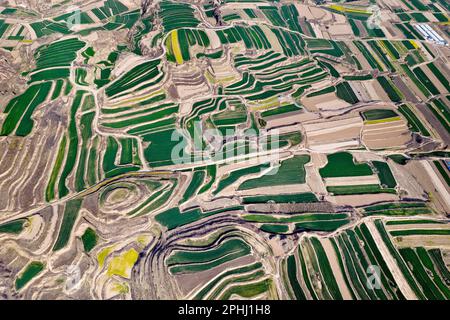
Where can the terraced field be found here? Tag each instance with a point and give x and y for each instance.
(224, 150)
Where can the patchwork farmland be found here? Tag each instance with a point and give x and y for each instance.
(216, 150)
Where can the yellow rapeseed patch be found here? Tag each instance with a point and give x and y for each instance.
(209, 77)
(121, 287)
(382, 120)
(265, 104)
(176, 47)
(348, 9)
(122, 265)
(138, 99)
(415, 45)
(381, 44)
(101, 257)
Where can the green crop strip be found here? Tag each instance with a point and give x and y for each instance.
(70, 216)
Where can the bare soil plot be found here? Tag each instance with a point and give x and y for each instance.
(358, 200)
(327, 101)
(406, 181)
(428, 241)
(421, 226)
(289, 118)
(391, 263)
(352, 181)
(337, 272)
(336, 146)
(376, 92)
(340, 31)
(425, 179)
(333, 131)
(389, 135)
(293, 188)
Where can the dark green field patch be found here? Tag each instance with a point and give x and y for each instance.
(359, 189)
(274, 228)
(68, 222)
(384, 174)
(378, 114)
(291, 171)
(13, 227)
(89, 239)
(341, 164)
(31, 271)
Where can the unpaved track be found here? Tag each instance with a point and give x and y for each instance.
(437, 182)
(333, 259)
(391, 263)
(443, 133)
